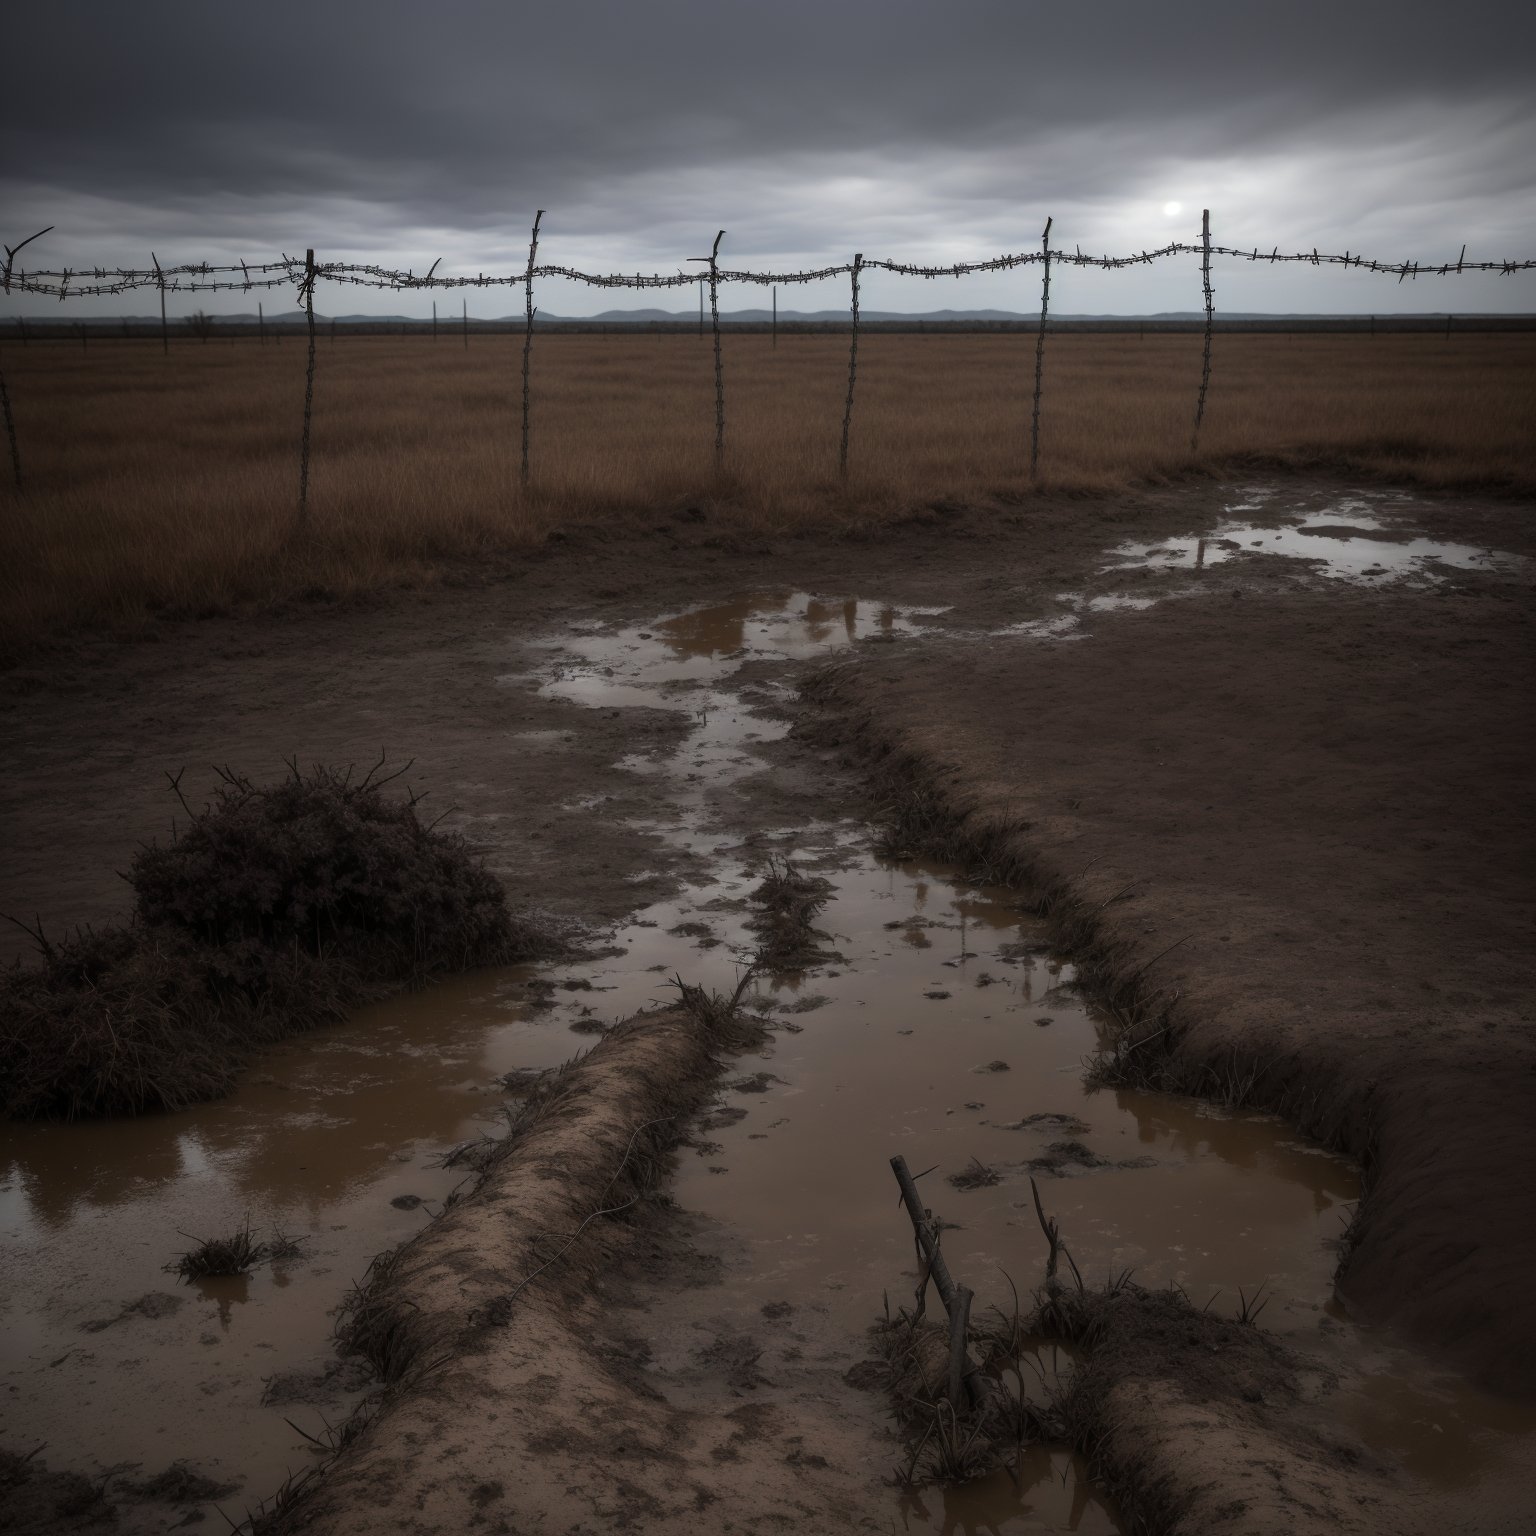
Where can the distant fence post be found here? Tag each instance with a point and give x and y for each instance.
(1205, 361)
(853, 368)
(1045, 304)
(10, 431)
(5, 394)
(775, 317)
(309, 384)
(533, 251)
(714, 316)
(165, 335)
(466, 322)
(434, 319)
(261, 325)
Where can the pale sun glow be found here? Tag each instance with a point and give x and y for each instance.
(1172, 208)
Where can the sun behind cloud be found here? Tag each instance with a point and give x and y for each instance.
(1171, 209)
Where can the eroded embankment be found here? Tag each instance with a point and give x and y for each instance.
(489, 1331)
(1444, 1234)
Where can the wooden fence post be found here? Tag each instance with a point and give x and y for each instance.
(466, 322)
(1205, 361)
(974, 1382)
(309, 384)
(10, 431)
(1045, 304)
(261, 325)
(5, 394)
(853, 368)
(714, 315)
(959, 1326)
(165, 335)
(533, 250)
(775, 317)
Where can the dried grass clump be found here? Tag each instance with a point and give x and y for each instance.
(237, 1254)
(318, 861)
(276, 909)
(790, 902)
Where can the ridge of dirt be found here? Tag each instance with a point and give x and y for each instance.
(1234, 875)
(484, 1364)
(1201, 1423)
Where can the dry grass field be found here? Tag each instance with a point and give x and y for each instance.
(170, 484)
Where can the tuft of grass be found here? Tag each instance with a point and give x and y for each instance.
(237, 1254)
(975, 1175)
(789, 902)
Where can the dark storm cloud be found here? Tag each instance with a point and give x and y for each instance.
(915, 129)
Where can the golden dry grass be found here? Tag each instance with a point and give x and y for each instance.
(157, 483)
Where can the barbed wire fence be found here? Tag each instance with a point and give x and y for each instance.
(303, 274)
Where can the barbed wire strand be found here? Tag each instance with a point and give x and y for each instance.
(205, 277)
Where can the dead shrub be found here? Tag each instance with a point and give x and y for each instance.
(275, 910)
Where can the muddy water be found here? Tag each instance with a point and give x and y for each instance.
(944, 1030)
(1360, 540)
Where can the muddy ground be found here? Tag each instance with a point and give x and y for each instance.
(1318, 791)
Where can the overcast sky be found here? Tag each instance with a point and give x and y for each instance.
(945, 130)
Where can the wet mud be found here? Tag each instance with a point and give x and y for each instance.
(938, 1019)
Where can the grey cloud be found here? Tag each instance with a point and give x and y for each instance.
(404, 130)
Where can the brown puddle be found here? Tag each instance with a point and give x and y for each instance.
(891, 1048)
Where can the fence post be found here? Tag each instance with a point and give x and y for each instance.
(10, 431)
(165, 335)
(533, 250)
(261, 325)
(466, 322)
(959, 1326)
(309, 384)
(5, 394)
(1045, 304)
(775, 317)
(853, 368)
(434, 319)
(714, 316)
(1205, 362)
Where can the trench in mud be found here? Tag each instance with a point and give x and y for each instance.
(944, 1029)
